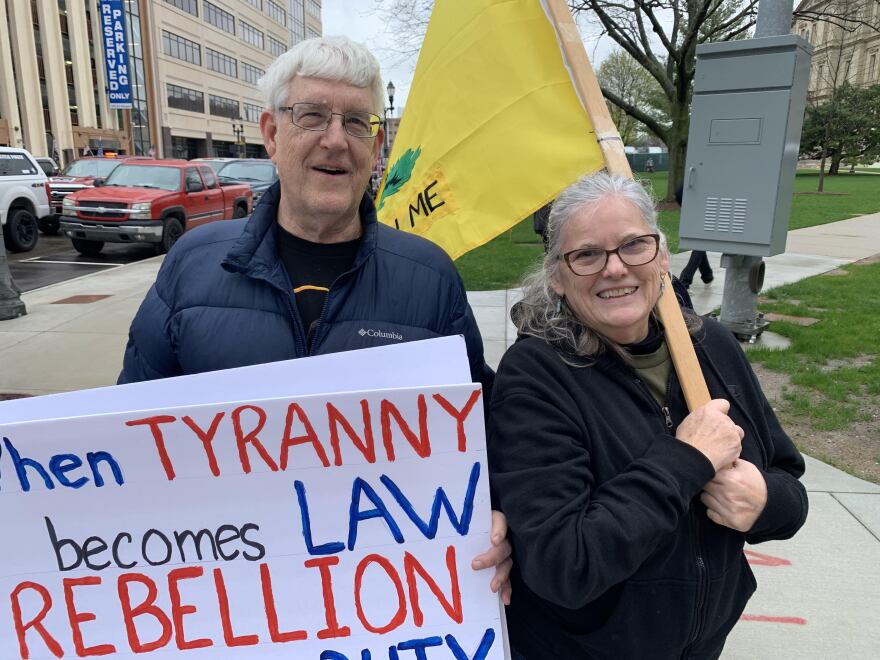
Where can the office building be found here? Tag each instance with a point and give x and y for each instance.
(192, 70)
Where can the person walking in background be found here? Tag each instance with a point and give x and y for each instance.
(539, 222)
(697, 260)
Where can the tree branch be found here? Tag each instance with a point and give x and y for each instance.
(652, 124)
(641, 7)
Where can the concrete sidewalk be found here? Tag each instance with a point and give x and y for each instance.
(819, 594)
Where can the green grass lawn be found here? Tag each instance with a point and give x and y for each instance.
(833, 366)
(848, 328)
(502, 262)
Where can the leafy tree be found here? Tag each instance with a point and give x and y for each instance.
(846, 127)
(622, 74)
(832, 122)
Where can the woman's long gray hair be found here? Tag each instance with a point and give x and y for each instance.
(544, 314)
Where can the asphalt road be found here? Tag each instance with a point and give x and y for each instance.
(54, 260)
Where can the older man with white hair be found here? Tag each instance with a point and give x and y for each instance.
(311, 271)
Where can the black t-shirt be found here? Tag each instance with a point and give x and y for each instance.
(312, 268)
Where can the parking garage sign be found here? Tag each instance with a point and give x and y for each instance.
(115, 53)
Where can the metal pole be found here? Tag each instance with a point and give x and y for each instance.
(744, 275)
(774, 17)
(11, 306)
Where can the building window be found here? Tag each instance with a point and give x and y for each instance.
(217, 61)
(183, 98)
(277, 47)
(314, 8)
(250, 73)
(872, 66)
(276, 12)
(252, 112)
(255, 3)
(221, 106)
(297, 22)
(219, 18)
(141, 136)
(181, 48)
(311, 33)
(251, 35)
(189, 6)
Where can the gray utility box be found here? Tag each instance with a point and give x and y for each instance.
(745, 131)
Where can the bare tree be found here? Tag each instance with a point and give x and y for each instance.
(661, 36)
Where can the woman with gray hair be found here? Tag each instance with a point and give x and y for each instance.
(627, 513)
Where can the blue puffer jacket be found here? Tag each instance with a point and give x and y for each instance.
(223, 299)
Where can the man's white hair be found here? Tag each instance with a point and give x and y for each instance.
(330, 58)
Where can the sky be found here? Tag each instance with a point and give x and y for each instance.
(357, 20)
(354, 19)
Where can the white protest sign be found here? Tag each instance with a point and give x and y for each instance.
(327, 527)
(436, 361)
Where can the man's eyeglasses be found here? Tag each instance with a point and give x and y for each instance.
(317, 117)
(634, 252)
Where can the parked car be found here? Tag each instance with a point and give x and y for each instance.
(149, 201)
(24, 198)
(258, 173)
(78, 174)
(48, 165)
(214, 161)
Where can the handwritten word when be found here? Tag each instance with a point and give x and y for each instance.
(61, 465)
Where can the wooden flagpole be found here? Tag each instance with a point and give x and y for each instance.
(684, 358)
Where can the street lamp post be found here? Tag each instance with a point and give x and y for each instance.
(388, 112)
(238, 129)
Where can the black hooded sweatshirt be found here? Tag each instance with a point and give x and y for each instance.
(614, 556)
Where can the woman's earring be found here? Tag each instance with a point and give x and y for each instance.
(558, 305)
(662, 284)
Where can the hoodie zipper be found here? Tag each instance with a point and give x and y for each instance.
(702, 594)
(298, 332)
(320, 322)
(699, 560)
(668, 416)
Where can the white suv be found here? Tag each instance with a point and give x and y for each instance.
(24, 198)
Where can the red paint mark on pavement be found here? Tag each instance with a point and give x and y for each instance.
(758, 559)
(774, 619)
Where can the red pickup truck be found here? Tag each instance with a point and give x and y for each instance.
(149, 201)
(78, 174)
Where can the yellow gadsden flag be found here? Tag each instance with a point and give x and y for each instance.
(493, 128)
